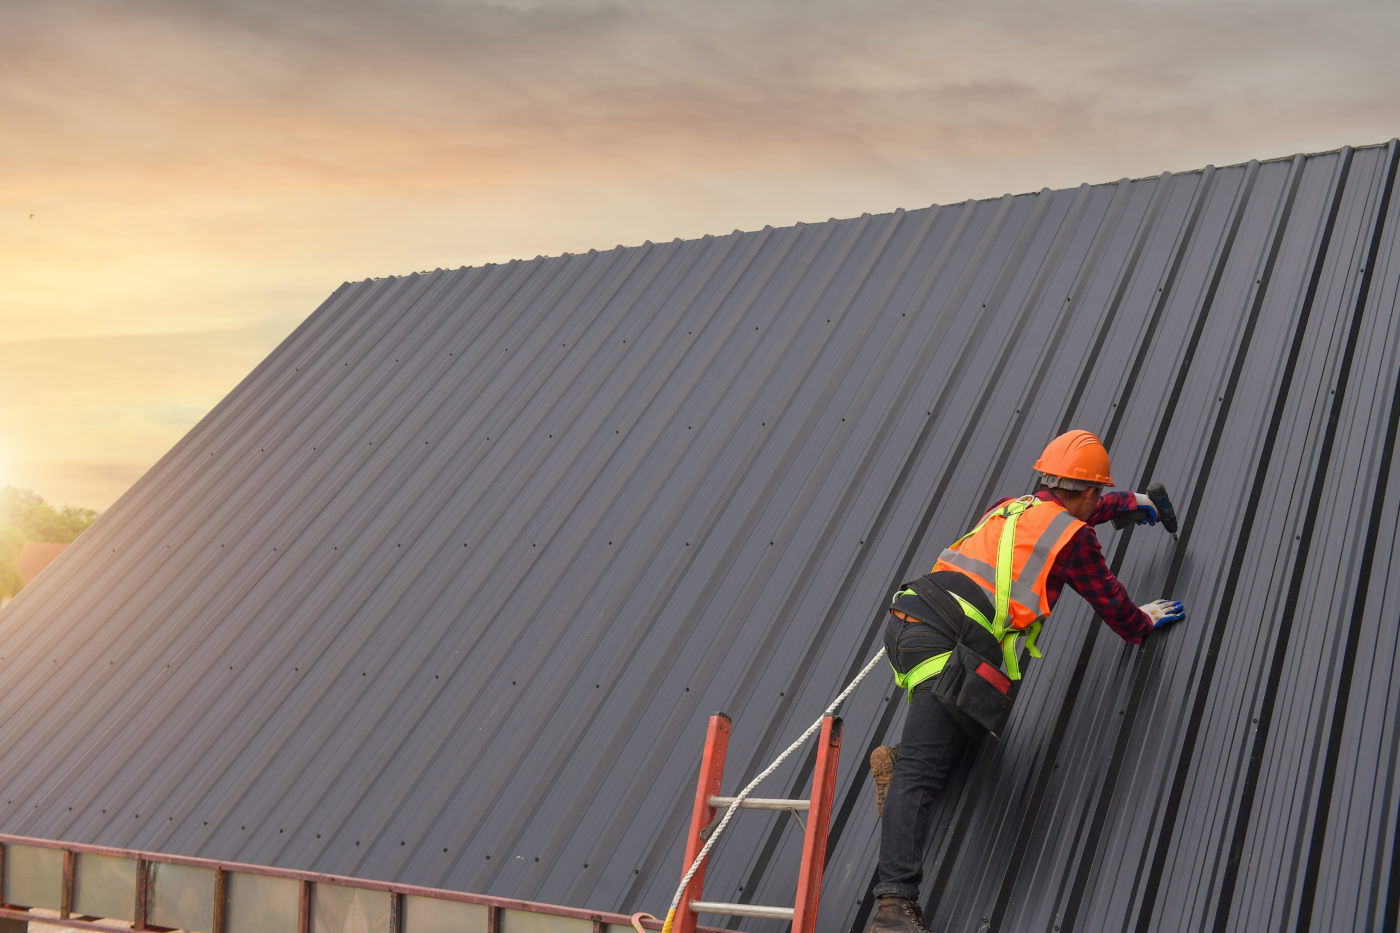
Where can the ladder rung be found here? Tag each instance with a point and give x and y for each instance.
(761, 803)
(743, 910)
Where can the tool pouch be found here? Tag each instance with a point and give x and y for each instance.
(975, 691)
(984, 696)
(972, 685)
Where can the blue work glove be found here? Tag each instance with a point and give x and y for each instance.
(1146, 506)
(1164, 612)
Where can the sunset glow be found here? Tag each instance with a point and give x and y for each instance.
(182, 183)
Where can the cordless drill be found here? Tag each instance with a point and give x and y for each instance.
(1165, 513)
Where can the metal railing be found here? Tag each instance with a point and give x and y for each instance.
(86, 887)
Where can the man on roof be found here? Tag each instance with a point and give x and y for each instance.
(954, 636)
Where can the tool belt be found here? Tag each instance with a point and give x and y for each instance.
(968, 680)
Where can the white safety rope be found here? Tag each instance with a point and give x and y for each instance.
(743, 794)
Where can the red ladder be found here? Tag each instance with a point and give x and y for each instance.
(708, 802)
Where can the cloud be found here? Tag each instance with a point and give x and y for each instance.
(221, 165)
(411, 98)
(227, 137)
(223, 125)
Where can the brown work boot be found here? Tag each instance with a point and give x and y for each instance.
(896, 915)
(881, 767)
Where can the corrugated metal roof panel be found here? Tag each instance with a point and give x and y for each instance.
(443, 591)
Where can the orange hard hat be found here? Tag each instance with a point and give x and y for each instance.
(1078, 455)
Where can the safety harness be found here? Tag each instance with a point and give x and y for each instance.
(1008, 638)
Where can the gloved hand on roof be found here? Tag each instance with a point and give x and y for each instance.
(1164, 612)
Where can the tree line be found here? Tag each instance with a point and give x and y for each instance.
(25, 516)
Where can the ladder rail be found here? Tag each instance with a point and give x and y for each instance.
(703, 814)
(809, 880)
(681, 902)
(803, 913)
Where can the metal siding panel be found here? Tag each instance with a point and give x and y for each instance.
(522, 519)
(1142, 417)
(104, 886)
(1357, 851)
(34, 877)
(426, 915)
(1308, 688)
(1244, 636)
(1248, 408)
(261, 904)
(181, 897)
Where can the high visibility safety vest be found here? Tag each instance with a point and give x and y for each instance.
(1009, 554)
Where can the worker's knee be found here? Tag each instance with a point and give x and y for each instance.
(932, 742)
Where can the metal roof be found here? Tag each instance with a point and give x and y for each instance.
(444, 591)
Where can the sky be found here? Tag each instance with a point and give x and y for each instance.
(182, 182)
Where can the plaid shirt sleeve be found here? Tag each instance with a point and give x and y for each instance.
(1080, 564)
(1113, 504)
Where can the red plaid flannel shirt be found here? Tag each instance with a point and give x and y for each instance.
(1080, 564)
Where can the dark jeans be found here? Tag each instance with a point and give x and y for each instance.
(930, 747)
